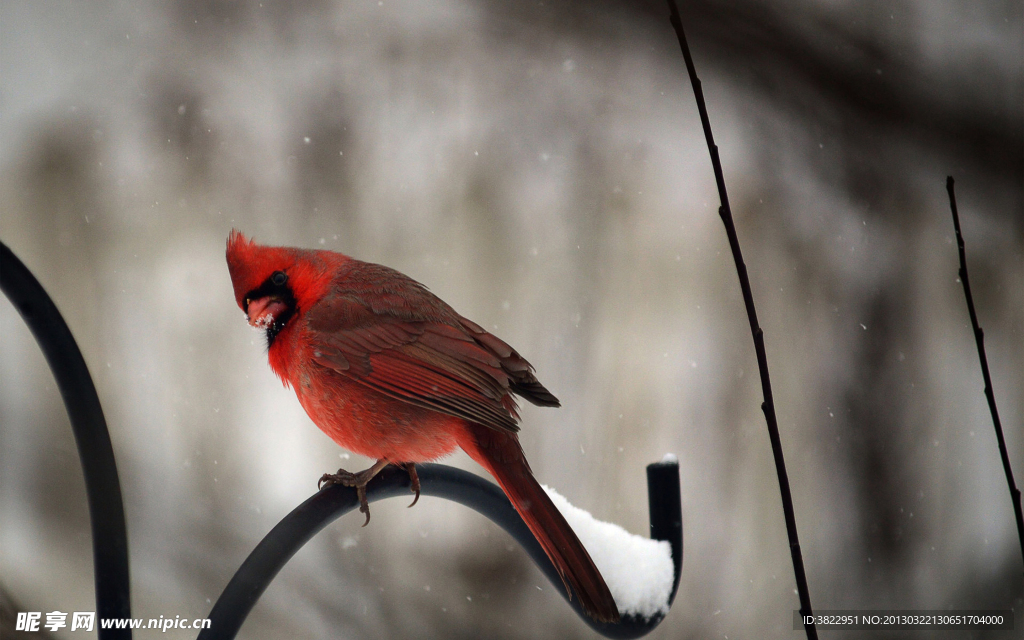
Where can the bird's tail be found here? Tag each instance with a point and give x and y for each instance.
(500, 453)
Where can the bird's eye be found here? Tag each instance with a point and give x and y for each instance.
(279, 278)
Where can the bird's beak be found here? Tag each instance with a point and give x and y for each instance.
(263, 311)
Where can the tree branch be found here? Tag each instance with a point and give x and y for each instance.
(979, 338)
(768, 406)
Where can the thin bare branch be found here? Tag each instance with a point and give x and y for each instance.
(979, 338)
(768, 406)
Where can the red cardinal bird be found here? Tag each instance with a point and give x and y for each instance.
(389, 371)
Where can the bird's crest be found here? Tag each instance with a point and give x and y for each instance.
(250, 264)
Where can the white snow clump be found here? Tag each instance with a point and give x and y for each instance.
(638, 570)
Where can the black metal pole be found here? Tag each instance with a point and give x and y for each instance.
(665, 506)
(298, 527)
(106, 508)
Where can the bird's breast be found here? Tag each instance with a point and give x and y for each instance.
(370, 423)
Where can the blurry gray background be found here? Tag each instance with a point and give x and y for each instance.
(540, 166)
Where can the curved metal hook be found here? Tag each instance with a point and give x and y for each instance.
(106, 508)
(441, 481)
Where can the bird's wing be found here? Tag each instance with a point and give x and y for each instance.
(445, 364)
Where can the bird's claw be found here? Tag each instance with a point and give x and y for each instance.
(361, 479)
(343, 478)
(327, 480)
(364, 506)
(414, 478)
(356, 480)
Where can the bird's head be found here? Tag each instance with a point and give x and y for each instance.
(272, 284)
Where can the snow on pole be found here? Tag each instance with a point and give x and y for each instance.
(639, 571)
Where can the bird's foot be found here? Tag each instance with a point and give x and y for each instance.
(358, 480)
(415, 479)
